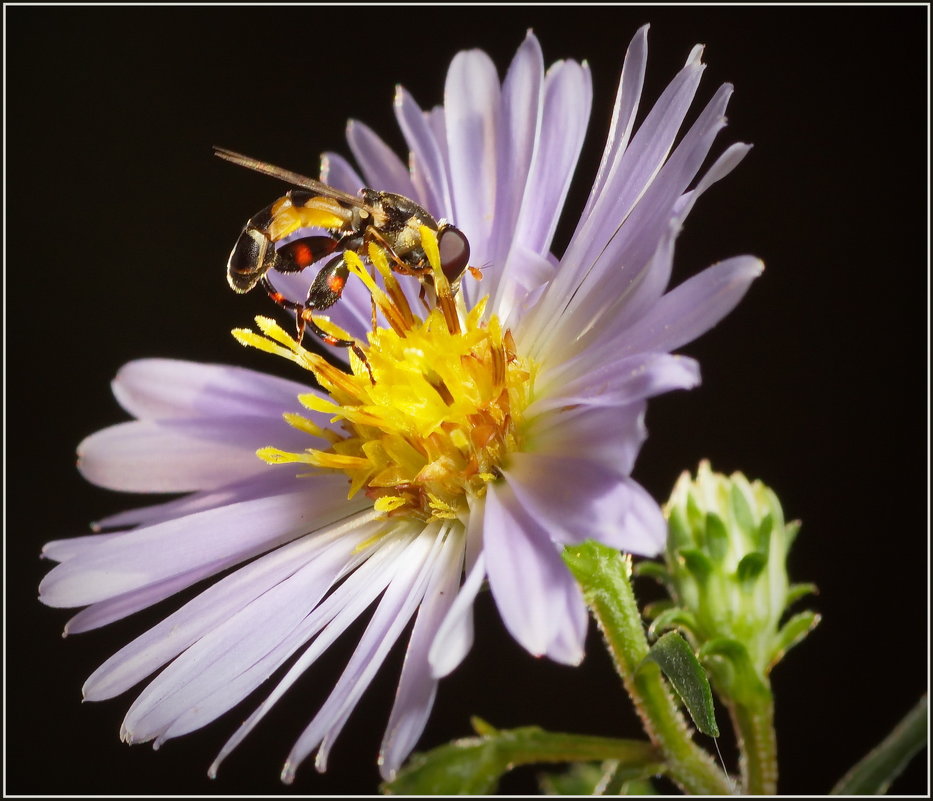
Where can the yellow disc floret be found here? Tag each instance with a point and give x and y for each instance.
(427, 419)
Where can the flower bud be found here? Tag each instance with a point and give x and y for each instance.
(726, 572)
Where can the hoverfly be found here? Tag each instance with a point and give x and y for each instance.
(286, 236)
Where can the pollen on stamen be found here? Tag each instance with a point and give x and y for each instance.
(429, 417)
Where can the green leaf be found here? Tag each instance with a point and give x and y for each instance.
(792, 633)
(474, 765)
(874, 774)
(677, 661)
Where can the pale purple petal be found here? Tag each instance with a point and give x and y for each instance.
(231, 645)
(63, 550)
(624, 186)
(516, 142)
(649, 284)
(426, 149)
(693, 307)
(417, 687)
(568, 96)
(610, 435)
(455, 635)
(616, 381)
(328, 621)
(639, 164)
(619, 265)
(471, 112)
(339, 173)
(120, 606)
(644, 530)
(573, 499)
(273, 482)
(204, 613)
(183, 455)
(538, 599)
(623, 113)
(399, 602)
(148, 555)
(382, 169)
(155, 389)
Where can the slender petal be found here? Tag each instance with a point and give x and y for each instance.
(151, 554)
(156, 389)
(539, 601)
(471, 114)
(381, 167)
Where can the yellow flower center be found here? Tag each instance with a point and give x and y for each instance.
(430, 414)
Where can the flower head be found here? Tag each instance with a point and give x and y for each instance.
(478, 429)
(726, 571)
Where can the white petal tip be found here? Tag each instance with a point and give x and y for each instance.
(696, 55)
(288, 773)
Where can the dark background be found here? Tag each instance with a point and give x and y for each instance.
(118, 229)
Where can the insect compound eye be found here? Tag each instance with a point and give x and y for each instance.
(454, 251)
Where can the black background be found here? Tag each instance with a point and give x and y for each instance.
(118, 229)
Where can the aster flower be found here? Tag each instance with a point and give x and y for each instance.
(474, 442)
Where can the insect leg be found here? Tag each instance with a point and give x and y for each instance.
(325, 291)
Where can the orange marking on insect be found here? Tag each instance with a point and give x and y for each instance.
(278, 297)
(303, 255)
(336, 283)
(330, 340)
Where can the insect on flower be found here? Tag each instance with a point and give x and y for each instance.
(310, 223)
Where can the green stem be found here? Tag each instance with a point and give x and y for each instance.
(604, 577)
(754, 729)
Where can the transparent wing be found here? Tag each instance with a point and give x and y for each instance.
(294, 178)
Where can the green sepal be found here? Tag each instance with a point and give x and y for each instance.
(679, 534)
(797, 591)
(732, 670)
(483, 728)
(696, 517)
(873, 774)
(744, 517)
(792, 633)
(474, 765)
(717, 537)
(790, 533)
(673, 618)
(673, 654)
(697, 562)
(653, 570)
(655, 608)
(750, 567)
(763, 533)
